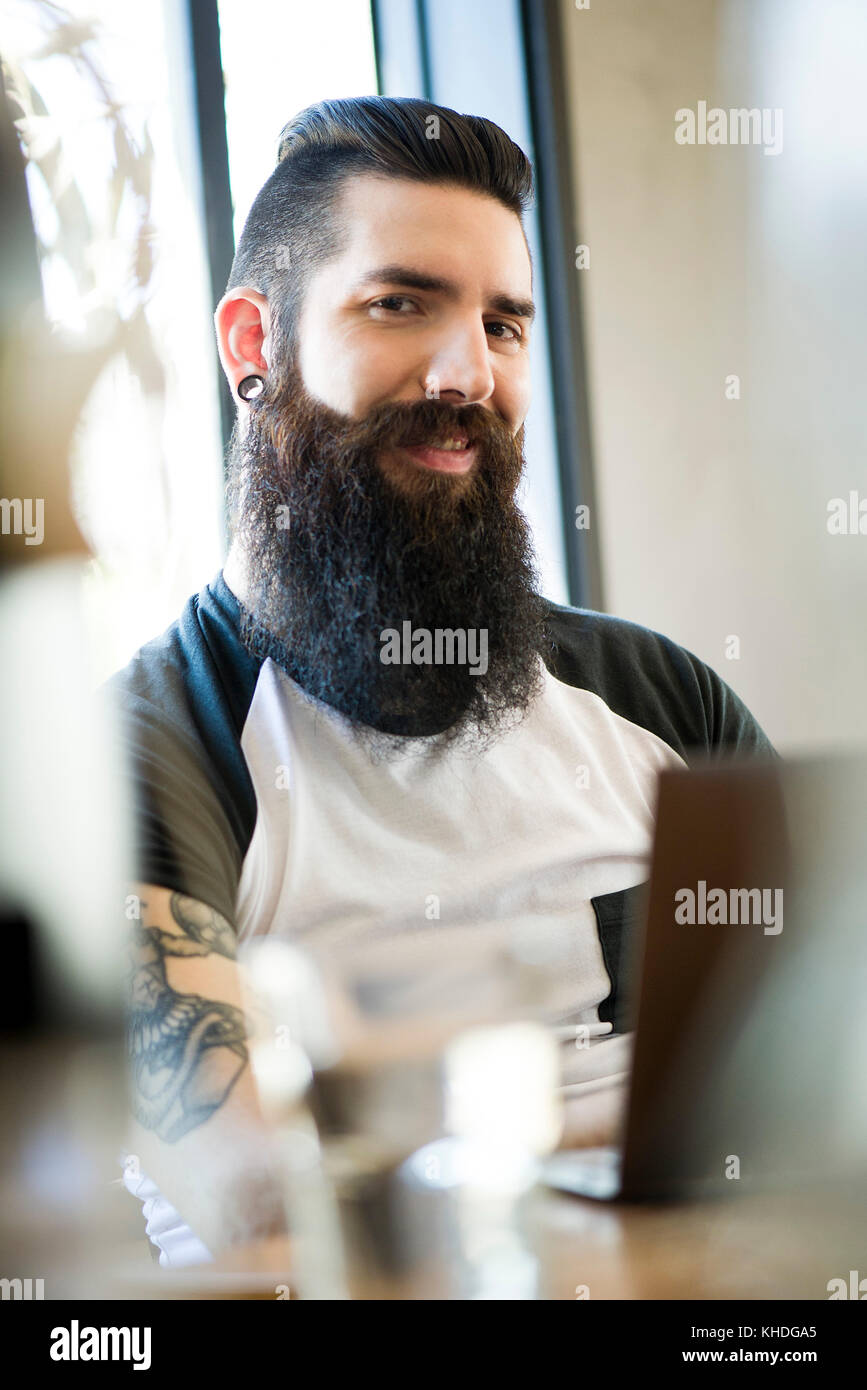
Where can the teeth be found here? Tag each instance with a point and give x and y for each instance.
(448, 444)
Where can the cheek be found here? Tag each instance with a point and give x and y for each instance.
(383, 369)
(351, 377)
(513, 396)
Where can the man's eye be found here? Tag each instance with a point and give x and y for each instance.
(512, 334)
(391, 301)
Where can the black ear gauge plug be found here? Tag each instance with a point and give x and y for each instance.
(251, 387)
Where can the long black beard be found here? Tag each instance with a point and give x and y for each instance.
(340, 547)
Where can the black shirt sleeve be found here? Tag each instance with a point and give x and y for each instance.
(180, 706)
(651, 681)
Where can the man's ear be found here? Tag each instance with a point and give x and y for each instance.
(242, 321)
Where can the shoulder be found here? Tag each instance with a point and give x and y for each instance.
(199, 663)
(649, 679)
(180, 706)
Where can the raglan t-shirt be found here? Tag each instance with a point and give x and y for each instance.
(259, 800)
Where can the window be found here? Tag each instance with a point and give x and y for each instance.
(112, 180)
(313, 52)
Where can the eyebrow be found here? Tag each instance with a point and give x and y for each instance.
(408, 278)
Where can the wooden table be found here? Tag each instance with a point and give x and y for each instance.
(763, 1246)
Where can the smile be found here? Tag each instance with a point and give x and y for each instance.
(449, 455)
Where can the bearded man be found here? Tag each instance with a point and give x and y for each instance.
(370, 733)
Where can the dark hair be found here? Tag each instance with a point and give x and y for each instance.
(290, 228)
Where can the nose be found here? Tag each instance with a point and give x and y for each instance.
(460, 370)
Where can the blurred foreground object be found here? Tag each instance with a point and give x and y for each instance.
(410, 1127)
(62, 853)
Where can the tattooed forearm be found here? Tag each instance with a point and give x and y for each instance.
(186, 1052)
(204, 928)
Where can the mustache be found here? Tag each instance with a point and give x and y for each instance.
(303, 435)
(406, 424)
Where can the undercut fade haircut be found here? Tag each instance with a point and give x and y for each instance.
(292, 228)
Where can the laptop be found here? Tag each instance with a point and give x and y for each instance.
(747, 979)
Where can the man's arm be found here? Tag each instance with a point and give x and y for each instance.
(198, 1133)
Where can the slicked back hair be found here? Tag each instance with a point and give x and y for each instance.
(291, 229)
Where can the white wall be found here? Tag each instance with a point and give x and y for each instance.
(718, 259)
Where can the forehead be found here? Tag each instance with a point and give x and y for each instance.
(468, 236)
